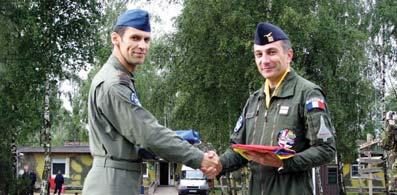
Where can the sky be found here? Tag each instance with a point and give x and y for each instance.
(162, 15)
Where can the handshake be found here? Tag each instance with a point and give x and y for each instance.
(211, 165)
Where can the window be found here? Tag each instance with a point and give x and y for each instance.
(145, 169)
(58, 167)
(194, 174)
(60, 164)
(332, 175)
(355, 170)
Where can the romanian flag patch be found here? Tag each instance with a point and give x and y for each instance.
(315, 104)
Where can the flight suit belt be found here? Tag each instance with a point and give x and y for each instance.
(117, 164)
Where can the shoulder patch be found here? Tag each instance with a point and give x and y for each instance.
(134, 99)
(315, 103)
(323, 133)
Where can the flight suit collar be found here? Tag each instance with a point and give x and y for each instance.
(286, 88)
(118, 66)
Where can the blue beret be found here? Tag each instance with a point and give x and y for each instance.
(135, 18)
(267, 33)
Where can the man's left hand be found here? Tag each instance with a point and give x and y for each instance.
(211, 165)
(267, 159)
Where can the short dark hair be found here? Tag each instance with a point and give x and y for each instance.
(120, 30)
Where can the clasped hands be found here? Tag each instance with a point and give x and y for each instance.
(211, 165)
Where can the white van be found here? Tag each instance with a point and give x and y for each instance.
(192, 181)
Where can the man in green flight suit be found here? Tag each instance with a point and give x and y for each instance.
(288, 111)
(121, 130)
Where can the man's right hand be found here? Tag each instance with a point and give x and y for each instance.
(211, 165)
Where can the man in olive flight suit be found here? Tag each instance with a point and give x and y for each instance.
(120, 128)
(288, 111)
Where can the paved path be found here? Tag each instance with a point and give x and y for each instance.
(37, 193)
(166, 190)
(161, 190)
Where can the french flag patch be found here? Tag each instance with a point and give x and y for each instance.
(315, 104)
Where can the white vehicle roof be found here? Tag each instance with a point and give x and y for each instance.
(185, 168)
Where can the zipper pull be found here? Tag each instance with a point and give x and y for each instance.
(266, 116)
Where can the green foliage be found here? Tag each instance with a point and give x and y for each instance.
(211, 63)
(40, 40)
(391, 102)
(201, 76)
(328, 59)
(209, 69)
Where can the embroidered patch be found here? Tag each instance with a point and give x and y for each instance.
(323, 133)
(315, 103)
(284, 110)
(134, 99)
(286, 138)
(239, 124)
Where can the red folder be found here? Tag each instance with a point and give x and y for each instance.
(282, 153)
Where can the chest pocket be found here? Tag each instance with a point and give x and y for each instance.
(254, 118)
(290, 116)
(250, 121)
(251, 115)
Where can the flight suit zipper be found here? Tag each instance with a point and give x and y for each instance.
(261, 143)
(275, 121)
(264, 128)
(256, 122)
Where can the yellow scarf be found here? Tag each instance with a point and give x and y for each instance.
(267, 88)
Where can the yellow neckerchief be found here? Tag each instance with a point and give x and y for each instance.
(275, 92)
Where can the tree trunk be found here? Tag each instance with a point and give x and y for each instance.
(14, 152)
(46, 136)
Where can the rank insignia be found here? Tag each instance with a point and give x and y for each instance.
(284, 110)
(269, 37)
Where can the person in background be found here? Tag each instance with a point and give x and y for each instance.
(31, 177)
(59, 180)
